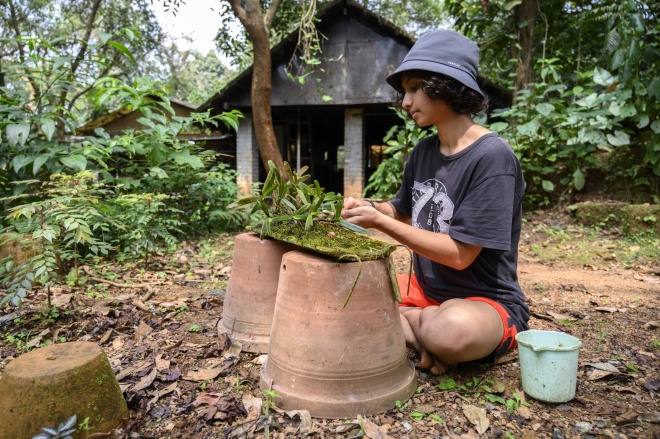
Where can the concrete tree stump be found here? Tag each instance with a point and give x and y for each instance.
(45, 387)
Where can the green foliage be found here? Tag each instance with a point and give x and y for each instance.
(58, 225)
(147, 221)
(192, 76)
(201, 196)
(561, 133)
(63, 431)
(35, 115)
(594, 114)
(491, 389)
(286, 197)
(515, 403)
(270, 399)
(386, 180)
(133, 192)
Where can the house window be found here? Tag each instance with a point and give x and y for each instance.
(376, 155)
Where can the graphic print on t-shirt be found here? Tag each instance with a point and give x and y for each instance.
(432, 208)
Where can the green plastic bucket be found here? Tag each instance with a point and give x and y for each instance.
(548, 364)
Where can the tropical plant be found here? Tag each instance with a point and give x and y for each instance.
(285, 197)
(400, 139)
(562, 133)
(109, 201)
(62, 223)
(63, 431)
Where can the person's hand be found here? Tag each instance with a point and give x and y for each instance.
(360, 212)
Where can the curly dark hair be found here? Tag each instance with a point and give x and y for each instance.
(462, 99)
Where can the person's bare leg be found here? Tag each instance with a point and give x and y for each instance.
(410, 323)
(459, 330)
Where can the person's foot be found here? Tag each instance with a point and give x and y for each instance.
(427, 360)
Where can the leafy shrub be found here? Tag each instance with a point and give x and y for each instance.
(133, 192)
(61, 223)
(385, 181)
(560, 133)
(201, 196)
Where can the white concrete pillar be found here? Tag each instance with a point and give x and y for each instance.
(353, 152)
(247, 155)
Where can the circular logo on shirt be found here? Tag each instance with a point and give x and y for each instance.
(432, 208)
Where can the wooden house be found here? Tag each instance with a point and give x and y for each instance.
(118, 121)
(341, 140)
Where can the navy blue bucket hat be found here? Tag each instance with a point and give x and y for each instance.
(445, 52)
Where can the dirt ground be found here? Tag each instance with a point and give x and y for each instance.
(594, 285)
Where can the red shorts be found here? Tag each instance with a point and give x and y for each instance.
(416, 298)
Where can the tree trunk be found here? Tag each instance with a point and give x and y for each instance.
(258, 27)
(524, 52)
(261, 110)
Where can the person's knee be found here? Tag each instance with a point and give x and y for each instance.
(446, 333)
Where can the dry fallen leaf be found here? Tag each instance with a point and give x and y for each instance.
(371, 430)
(599, 374)
(207, 398)
(162, 364)
(253, 407)
(145, 381)
(106, 336)
(36, 340)
(653, 417)
(60, 300)
(305, 420)
(604, 366)
(202, 374)
(233, 351)
(134, 368)
(651, 325)
(523, 410)
(142, 330)
(627, 417)
(345, 428)
(425, 408)
(559, 316)
(624, 389)
(477, 416)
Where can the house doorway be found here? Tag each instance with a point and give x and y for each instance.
(312, 137)
(377, 122)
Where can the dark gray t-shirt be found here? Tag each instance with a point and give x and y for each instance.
(475, 196)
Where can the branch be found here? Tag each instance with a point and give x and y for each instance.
(103, 73)
(17, 31)
(88, 33)
(32, 85)
(270, 13)
(115, 284)
(239, 10)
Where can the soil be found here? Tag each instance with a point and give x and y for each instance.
(594, 285)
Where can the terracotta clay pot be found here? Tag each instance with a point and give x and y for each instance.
(250, 298)
(46, 386)
(336, 362)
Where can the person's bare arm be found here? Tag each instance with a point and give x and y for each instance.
(435, 246)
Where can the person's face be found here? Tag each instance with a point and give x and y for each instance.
(423, 110)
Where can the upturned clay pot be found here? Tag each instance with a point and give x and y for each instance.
(336, 362)
(45, 387)
(250, 298)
